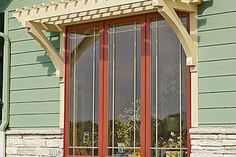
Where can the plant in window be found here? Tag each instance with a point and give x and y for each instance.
(173, 141)
(127, 124)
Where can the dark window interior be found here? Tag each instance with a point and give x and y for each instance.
(1, 60)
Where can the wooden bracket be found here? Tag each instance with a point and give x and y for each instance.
(189, 41)
(35, 30)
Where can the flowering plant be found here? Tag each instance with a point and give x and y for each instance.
(173, 141)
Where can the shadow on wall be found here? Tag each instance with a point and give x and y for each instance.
(54, 38)
(4, 4)
(203, 21)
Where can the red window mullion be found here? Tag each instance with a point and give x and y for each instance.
(66, 95)
(148, 79)
(143, 142)
(145, 127)
(188, 111)
(105, 49)
(102, 92)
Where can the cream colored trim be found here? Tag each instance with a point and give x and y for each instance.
(189, 42)
(62, 103)
(176, 5)
(80, 10)
(35, 31)
(167, 9)
(194, 73)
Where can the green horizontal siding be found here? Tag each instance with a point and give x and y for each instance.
(29, 58)
(218, 84)
(218, 52)
(48, 94)
(34, 121)
(210, 7)
(217, 62)
(217, 68)
(36, 69)
(22, 34)
(216, 37)
(217, 100)
(35, 108)
(25, 46)
(217, 21)
(34, 88)
(19, 35)
(221, 116)
(13, 24)
(34, 82)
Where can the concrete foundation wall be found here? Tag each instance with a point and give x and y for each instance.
(213, 142)
(34, 143)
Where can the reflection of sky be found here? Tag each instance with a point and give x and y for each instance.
(84, 78)
(168, 70)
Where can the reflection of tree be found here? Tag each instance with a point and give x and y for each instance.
(85, 135)
(168, 96)
(168, 121)
(126, 125)
(168, 134)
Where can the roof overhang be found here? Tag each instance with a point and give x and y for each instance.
(56, 15)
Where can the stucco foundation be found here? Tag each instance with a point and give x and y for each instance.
(48, 142)
(213, 142)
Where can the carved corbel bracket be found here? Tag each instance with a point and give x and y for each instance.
(188, 40)
(35, 30)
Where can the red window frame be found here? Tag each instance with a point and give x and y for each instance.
(145, 81)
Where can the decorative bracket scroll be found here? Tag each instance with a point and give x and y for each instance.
(35, 30)
(167, 9)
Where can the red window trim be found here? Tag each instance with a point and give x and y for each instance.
(145, 82)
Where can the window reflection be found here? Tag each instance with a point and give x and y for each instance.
(84, 59)
(124, 90)
(168, 92)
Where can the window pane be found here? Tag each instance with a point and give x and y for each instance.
(124, 88)
(84, 59)
(168, 153)
(168, 92)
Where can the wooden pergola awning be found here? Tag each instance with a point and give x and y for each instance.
(56, 15)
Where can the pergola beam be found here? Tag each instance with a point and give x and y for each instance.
(55, 16)
(176, 5)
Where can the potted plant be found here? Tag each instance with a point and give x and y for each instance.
(125, 127)
(174, 141)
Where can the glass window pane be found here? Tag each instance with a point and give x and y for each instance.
(84, 59)
(124, 152)
(168, 89)
(168, 153)
(124, 87)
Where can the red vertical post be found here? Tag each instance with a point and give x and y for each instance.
(188, 110)
(101, 96)
(147, 105)
(105, 58)
(143, 90)
(66, 95)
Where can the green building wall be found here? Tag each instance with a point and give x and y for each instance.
(34, 88)
(217, 63)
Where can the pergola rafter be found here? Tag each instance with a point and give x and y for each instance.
(56, 15)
